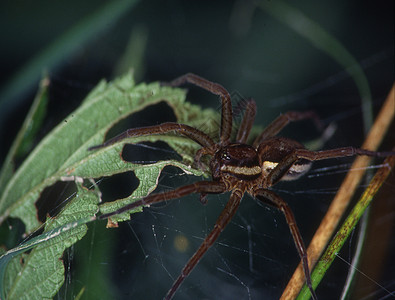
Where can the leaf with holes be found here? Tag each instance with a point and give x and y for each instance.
(40, 273)
(63, 154)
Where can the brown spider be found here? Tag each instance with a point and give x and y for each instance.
(239, 168)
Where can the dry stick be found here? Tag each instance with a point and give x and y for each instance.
(343, 196)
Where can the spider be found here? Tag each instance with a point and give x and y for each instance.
(238, 168)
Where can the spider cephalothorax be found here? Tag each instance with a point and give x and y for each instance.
(239, 168)
(237, 160)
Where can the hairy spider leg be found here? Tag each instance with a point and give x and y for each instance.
(216, 89)
(194, 134)
(207, 187)
(226, 215)
(278, 172)
(283, 120)
(247, 121)
(273, 199)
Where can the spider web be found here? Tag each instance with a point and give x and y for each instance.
(252, 259)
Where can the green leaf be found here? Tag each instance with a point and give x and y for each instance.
(24, 139)
(39, 274)
(63, 154)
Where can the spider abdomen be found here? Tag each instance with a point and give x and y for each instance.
(274, 150)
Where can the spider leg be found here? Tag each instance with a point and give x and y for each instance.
(206, 187)
(283, 166)
(198, 136)
(200, 153)
(223, 220)
(271, 198)
(216, 89)
(283, 120)
(246, 123)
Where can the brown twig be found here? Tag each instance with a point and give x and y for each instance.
(343, 196)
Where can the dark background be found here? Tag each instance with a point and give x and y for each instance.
(251, 54)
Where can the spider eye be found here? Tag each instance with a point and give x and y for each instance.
(225, 156)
